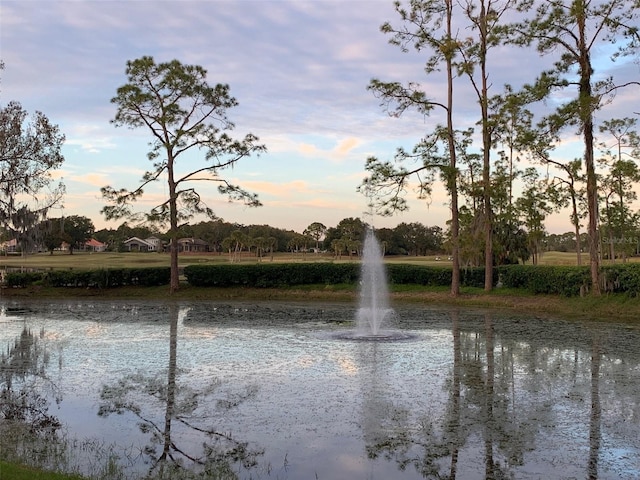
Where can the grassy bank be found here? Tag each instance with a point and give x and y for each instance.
(10, 471)
(606, 307)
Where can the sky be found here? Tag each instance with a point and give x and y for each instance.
(299, 70)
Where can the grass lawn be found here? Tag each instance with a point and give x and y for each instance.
(86, 260)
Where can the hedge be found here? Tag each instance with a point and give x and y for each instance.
(537, 279)
(571, 280)
(23, 279)
(103, 278)
(290, 274)
(621, 278)
(561, 280)
(271, 274)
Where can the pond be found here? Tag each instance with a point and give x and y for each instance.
(125, 389)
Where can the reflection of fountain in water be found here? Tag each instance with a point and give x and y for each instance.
(374, 310)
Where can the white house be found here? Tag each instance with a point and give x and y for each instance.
(135, 244)
(155, 242)
(151, 244)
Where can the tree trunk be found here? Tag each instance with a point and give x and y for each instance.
(171, 380)
(173, 231)
(623, 245)
(453, 174)
(586, 100)
(576, 224)
(486, 156)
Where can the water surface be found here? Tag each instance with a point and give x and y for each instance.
(473, 395)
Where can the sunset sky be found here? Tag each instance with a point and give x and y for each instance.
(299, 70)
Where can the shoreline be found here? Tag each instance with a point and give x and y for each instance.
(618, 308)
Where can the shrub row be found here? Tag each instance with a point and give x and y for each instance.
(103, 278)
(433, 276)
(571, 280)
(540, 279)
(289, 274)
(621, 278)
(561, 280)
(23, 279)
(271, 274)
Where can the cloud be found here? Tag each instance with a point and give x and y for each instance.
(338, 151)
(311, 203)
(286, 190)
(95, 179)
(347, 145)
(298, 68)
(89, 138)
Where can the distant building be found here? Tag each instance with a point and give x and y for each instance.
(192, 245)
(10, 246)
(135, 244)
(94, 245)
(151, 244)
(156, 242)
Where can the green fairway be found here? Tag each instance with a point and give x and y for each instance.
(83, 260)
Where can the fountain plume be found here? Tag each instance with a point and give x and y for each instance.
(374, 309)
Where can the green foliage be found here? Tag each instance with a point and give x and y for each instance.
(22, 279)
(560, 280)
(474, 277)
(621, 278)
(183, 113)
(102, 278)
(30, 151)
(78, 229)
(290, 274)
(571, 280)
(271, 275)
(538, 279)
(416, 274)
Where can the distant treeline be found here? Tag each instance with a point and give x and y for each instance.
(345, 239)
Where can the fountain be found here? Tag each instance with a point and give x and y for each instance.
(374, 313)
(374, 310)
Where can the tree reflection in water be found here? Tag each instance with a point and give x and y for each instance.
(432, 446)
(220, 452)
(27, 428)
(22, 378)
(485, 408)
(596, 410)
